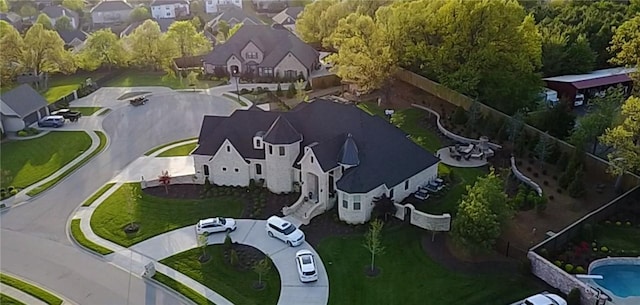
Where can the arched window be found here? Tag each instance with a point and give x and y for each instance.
(205, 168)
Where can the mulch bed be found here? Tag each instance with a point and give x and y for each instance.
(247, 256)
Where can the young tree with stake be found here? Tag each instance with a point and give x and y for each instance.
(372, 241)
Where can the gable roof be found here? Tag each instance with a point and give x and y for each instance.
(234, 15)
(163, 2)
(288, 13)
(69, 36)
(281, 132)
(22, 101)
(59, 11)
(112, 5)
(13, 19)
(595, 78)
(384, 153)
(275, 43)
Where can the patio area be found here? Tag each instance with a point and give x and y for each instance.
(450, 156)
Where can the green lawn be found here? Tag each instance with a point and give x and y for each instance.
(30, 161)
(35, 291)
(140, 79)
(52, 182)
(234, 285)
(182, 289)
(450, 199)
(61, 85)
(618, 237)
(86, 111)
(77, 234)
(97, 194)
(178, 151)
(7, 300)
(155, 215)
(165, 145)
(409, 276)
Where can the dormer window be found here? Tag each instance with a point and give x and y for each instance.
(257, 143)
(251, 55)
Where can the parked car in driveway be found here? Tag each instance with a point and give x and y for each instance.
(544, 298)
(306, 264)
(215, 224)
(284, 231)
(51, 121)
(73, 116)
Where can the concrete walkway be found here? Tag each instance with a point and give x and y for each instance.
(159, 151)
(22, 196)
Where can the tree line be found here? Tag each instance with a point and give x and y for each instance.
(42, 50)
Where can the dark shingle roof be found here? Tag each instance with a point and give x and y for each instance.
(288, 13)
(12, 18)
(23, 100)
(161, 2)
(68, 36)
(385, 154)
(233, 15)
(281, 132)
(59, 11)
(274, 43)
(111, 5)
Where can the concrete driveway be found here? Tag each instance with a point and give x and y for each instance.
(249, 232)
(35, 244)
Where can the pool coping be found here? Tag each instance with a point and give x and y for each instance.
(609, 261)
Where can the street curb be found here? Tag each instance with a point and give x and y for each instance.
(161, 285)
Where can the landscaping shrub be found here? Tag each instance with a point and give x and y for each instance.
(13, 192)
(227, 242)
(551, 197)
(573, 298)
(568, 268)
(307, 87)
(244, 91)
(22, 133)
(291, 92)
(544, 253)
(558, 263)
(279, 91)
(576, 188)
(604, 249)
(460, 116)
(580, 270)
(541, 204)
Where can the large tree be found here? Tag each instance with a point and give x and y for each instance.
(189, 41)
(149, 48)
(482, 213)
(486, 49)
(27, 10)
(45, 21)
(11, 55)
(74, 5)
(103, 48)
(139, 13)
(63, 24)
(625, 139)
(44, 51)
(4, 7)
(363, 57)
(603, 112)
(626, 46)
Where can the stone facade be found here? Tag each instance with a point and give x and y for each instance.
(291, 63)
(437, 223)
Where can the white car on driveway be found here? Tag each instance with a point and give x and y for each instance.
(306, 264)
(215, 224)
(544, 298)
(284, 231)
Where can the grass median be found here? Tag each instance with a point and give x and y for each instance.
(157, 148)
(52, 182)
(77, 234)
(154, 215)
(33, 290)
(182, 289)
(7, 300)
(179, 151)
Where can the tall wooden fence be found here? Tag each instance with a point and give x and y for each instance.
(592, 162)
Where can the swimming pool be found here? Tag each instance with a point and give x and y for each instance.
(622, 280)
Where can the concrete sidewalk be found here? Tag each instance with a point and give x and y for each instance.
(150, 168)
(20, 295)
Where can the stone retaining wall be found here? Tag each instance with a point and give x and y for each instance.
(438, 223)
(560, 279)
(524, 178)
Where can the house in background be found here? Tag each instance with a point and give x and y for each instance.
(333, 153)
(109, 12)
(287, 18)
(215, 6)
(56, 12)
(270, 6)
(73, 40)
(21, 107)
(163, 9)
(13, 19)
(263, 51)
(233, 16)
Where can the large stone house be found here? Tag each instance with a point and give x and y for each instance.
(20, 108)
(333, 153)
(161, 9)
(215, 6)
(263, 51)
(109, 12)
(287, 18)
(56, 12)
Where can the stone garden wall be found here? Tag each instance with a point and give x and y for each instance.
(524, 178)
(559, 279)
(438, 223)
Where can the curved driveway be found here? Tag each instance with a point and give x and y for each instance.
(35, 244)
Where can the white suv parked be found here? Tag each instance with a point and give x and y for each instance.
(285, 231)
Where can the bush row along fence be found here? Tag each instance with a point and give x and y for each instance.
(83, 91)
(453, 97)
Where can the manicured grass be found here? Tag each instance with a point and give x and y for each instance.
(44, 187)
(61, 85)
(235, 98)
(141, 79)
(77, 234)
(165, 145)
(155, 215)
(409, 276)
(182, 150)
(618, 237)
(182, 289)
(234, 285)
(86, 111)
(97, 194)
(30, 161)
(409, 121)
(448, 203)
(7, 300)
(35, 291)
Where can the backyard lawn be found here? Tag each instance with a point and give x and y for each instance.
(30, 161)
(233, 284)
(178, 151)
(409, 276)
(154, 215)
(61, 85)
(142, 79)
(621, 237)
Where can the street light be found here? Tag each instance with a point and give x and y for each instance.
(235, 73)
